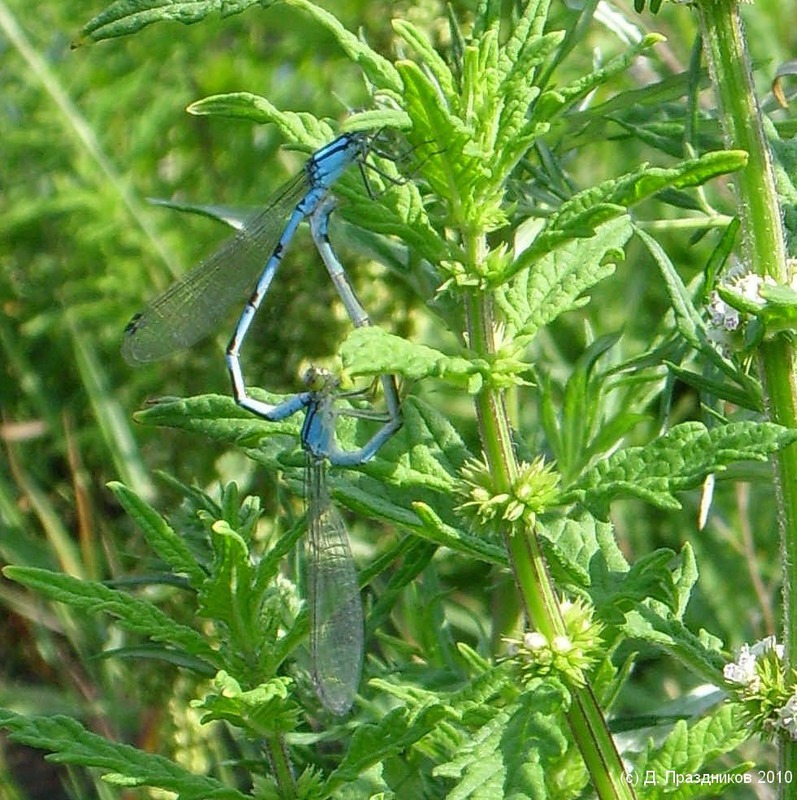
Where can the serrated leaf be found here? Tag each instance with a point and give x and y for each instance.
(160, 536)
(579, 216)
(508, 755)
(396, 210)
(225, 596)
(134, 614)
(220, 418)
(659, 627)
(687, 749)
(679, 460)
(396, 732)
(576, 543)
(302, 128)
(375, 120)
(130, 16)
(515, 132)
(374, 351)
(528, 30)
(454, 167)
(647, 181)
(263, 711)
(418, 40)
(70, 743)
(556, 280)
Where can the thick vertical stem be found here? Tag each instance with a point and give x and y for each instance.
(281, 766)
(585, 718)
(764, 253)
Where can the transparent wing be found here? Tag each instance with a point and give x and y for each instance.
(336, 612)
(193, 306)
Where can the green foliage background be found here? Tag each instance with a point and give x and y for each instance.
(89, 134)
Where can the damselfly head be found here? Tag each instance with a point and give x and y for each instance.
(320, 380)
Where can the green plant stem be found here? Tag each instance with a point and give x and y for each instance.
(764, 252)
(281, 767)
(584, 716)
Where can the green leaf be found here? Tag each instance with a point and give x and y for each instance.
(721, 388)
(451, 171)
(415, 558)
(160, 536)
(687, 750)
(298, 128)
(554, 283)
(685, 579)
(656, 625)
(579, 216)
(220, 418)
(225, 596)
(395, 733)
(130, 16)
(437, 531)
(508, 756)
(523, 53)
(263, 711)
(134, 614)
(376, 119)
(692, 327)
(418, 40)
(393, 208)
(373, 351)
(528, 31)
(583, 553)
(70, 743)
(577, 544)
(647, 181)
(679, 460)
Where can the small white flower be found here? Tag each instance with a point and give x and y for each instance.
(534, 640)
(787, 717)
(743, 670)
(763, 646)
(722, 315)
(749, 286)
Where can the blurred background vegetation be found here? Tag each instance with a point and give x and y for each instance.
(87, 136)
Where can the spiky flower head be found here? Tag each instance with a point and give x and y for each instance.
(535, 488)
(767, 691)
(570, 654)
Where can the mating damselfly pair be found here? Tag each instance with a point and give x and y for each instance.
(192, 308)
